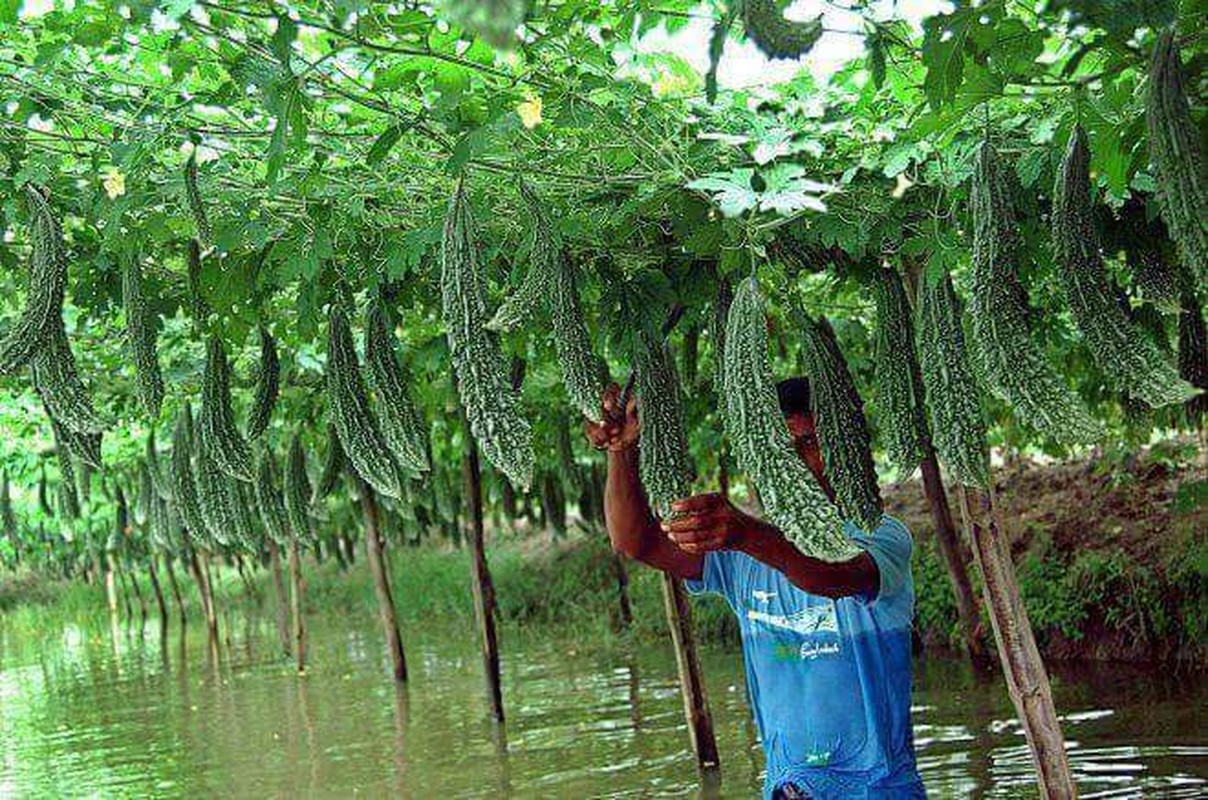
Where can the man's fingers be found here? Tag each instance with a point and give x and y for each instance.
(700, 502)
(690, 522)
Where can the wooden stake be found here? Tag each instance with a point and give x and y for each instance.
(159, 593)
(180, 600)
(381, 581)
(295, 602)
(692, 685)
(1027, 680)
(483, 589)
(958, 574)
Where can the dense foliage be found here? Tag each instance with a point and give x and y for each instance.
(174, 175)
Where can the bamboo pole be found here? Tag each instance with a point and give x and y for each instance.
(180, 600)
(692, 685)
(159, 593)
(381, 582)
(481, 585)
(1027, 679)
(958, 574)
(295, 602)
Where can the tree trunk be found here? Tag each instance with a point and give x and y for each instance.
(1027, 680)
(381, 582)
(483, 589)
(180, 600)
(692, 685)
(958, 573)
(295, 602)
(274, 560)
(159, 593)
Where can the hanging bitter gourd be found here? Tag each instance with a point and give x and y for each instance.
(193, 194)
(357, 425)
(402, 423)
(583, 373)
(842, 429)
(44, 493)
(298, 493)
(270, 502)
(899, 385)
(182, 481)
(717, 333)
(792, 498)
(1013, 366)
(220, 439)
(8, 518)
(775, 35)
(1120, 350)
(216, 502)
(663, 460)
(84, 446)
(58, 383)
(333, 465)
(491, 404)
(1175, 146)
(46, 286)
(140, 336)
(268, 383)
(522, 305)
(69, 500)
(954, 408)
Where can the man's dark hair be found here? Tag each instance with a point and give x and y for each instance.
(794, 396)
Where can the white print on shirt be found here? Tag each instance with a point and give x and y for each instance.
(819, 619)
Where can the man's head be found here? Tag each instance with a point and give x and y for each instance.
(796, 405)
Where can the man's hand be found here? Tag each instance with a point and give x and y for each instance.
(709, 522)
(618, 429)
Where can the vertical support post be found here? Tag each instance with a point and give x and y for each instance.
(207, 598)
(295, 602)
(180, 600)
(692, 685)
(381, 582)
(958, 574)
(1027, 680)
(159, 593)
(483, 589)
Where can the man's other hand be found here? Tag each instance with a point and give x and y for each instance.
(708, 522)
(618, 428)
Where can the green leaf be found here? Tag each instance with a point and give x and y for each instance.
(383, 144)
(943, 45)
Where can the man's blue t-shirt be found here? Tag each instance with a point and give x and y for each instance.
(829, 680)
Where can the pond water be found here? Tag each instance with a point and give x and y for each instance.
(90, 711)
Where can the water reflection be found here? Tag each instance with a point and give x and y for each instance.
(93, 710)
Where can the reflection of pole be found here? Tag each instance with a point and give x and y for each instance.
(295, 602)
(402, 715)
(274, 560)
(1027, 680)
(381, 581)
(483, 589)
(692, 685)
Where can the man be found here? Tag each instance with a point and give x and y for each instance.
(826, 645)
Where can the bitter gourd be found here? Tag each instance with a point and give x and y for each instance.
(220, 439)
(775, 35)
(298, 493)
(268, 384)
(664, 464)
(1013, 366)
(1175, 146)
(491, 404)
(47, 283)
(356, 423)
(140, 335)
(896, 375)
(792, 498)
(402, 423)
(953, 405)
(269, 500)
(842, 429)
(1120, 350)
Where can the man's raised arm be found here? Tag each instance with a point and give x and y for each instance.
(632, 527)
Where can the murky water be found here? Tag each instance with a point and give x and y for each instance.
(85, 712)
